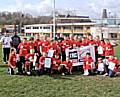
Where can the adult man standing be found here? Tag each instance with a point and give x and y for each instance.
(15, 41)
(6, 44)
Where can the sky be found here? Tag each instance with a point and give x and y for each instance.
(92, 8)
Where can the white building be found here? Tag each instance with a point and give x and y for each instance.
(64, 28)
(107, 32)
(31, 30)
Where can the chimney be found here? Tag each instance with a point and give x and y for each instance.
(104, 14)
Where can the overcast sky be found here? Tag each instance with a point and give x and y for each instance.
(90, 8)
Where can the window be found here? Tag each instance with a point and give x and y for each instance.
(28, 27)
(113, 35)
(67, 28)
(88, 28)
(46, 27)
(78, 28)
(58, 27)
(79, 35)
(35, 27)
(28, 34)
(10, 30)
(66, 34)
(35, 34)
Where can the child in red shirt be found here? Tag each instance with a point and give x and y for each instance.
(56, 63)
(42, 60)
(66, 67)
(101, 49)
(54, 46)
(12, 62)
(41, 66)
(108, 48)
(84, 41)
(29, 62)
(44, 45)
(90, 40)
(112, 66)
(31, 44)
(69, 65)
(36, 41)
(88, 64)
(23, 50)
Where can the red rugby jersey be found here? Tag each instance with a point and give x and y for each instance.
(87, 63)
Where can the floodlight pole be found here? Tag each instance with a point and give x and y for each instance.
(54, 28)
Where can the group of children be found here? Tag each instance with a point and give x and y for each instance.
(107, 67)
(32, 56)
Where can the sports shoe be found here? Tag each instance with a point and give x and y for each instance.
(28, 73)
(106, 74)
(63, 74)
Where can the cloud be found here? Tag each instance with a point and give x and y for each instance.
(111, 6)
(91, 8)
(42, 8)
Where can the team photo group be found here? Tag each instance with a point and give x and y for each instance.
(42, 55)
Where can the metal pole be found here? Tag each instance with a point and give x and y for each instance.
(54, 29)
(20, 25)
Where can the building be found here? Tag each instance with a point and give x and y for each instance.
(63, 28)
(106, 32)
(104, 13)
(32, 30)
(9, 28)
(107, 27)
(64, 24)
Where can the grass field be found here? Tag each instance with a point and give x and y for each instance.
(75, 85)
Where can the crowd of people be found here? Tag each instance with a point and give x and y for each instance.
(28, 56)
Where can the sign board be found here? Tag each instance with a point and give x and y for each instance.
(105, 32)
(50, 53)
(96, 31)
(47, 62)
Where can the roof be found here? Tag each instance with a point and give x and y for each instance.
(62, 24)
(71, 19)
(70, 16)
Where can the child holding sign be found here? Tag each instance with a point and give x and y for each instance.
(45, 63)
(100, 66)
(112, 66)
(41, 63)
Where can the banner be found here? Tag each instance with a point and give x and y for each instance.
(77, 54)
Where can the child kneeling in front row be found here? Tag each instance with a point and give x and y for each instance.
(112, 66)
(41, 66)
(66, 67)
(12, 62)
(88, 64)
(100, 66)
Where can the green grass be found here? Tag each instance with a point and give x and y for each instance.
(117, 52)
(58, 86)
